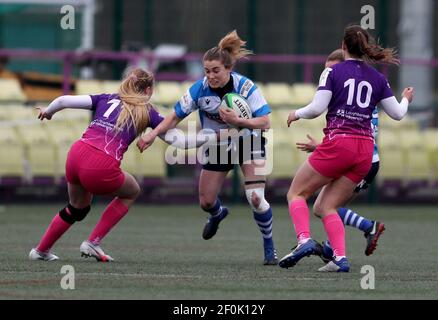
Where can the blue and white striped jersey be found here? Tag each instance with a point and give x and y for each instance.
(201, 97)
(375, 128)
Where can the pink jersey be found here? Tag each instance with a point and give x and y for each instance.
(101, 134)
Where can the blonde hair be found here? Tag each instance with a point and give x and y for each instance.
(135, 101)
(336, 55)
(230, 49)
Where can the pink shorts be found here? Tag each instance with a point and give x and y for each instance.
(93, 169)
(343, 156)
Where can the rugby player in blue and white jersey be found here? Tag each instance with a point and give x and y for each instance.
(205, 96)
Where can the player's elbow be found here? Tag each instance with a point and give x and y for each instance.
(174, 120)
(266, 124)
(398, 116)
(62, 101)
(316, 111)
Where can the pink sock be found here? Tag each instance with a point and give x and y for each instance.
(299, 213)
(55, 230)
(115, 211)
(335, 232)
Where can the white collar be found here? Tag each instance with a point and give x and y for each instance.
(354, 59)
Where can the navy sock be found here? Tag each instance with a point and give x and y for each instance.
(351, 218)
(264, 221)
(216, 209)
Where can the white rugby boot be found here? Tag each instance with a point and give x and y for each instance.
(88, 249)
(35, 254)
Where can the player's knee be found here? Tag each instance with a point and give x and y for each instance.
(132, 190)
(256, 199)
(71, 214)
(317, 209)
(321, 211)
(135, 191)
(289, 196)
(206, 203)
(207, 200)
(295, 196)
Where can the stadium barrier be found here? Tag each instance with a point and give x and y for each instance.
(409, 155)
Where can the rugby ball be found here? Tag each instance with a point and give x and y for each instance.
(238, 103)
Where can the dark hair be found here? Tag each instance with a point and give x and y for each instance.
(336, 55)
(361, 44)
(229, 50)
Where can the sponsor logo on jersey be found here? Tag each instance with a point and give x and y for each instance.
(214, 117)
(340, 113)
(324, 76)
(246, 88)
(185, 100)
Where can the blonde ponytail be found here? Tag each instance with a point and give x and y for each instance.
(230, 49)
(135, 101)
(234, 45)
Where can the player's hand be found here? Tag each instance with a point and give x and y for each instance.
(42, 114)
(145, 141)
(408, 93)
(310, 146)
(229, 116)
(292, 117)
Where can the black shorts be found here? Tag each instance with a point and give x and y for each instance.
(369, 178)
(250, 148)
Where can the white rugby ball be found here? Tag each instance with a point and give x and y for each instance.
(238, 104)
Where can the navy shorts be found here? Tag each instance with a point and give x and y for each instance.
(251, 148)
(369, 178)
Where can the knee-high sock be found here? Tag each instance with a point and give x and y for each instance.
(299, 213)
(336, 233)
(216, 209)
(264, 221)
(351, 218)
(113, 213)
(54, 231)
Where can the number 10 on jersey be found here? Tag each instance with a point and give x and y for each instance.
(363, 84)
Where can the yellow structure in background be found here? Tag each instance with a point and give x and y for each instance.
(39, 149)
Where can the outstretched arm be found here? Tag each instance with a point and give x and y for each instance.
(318, 105)
(168, 123)
(180, 140)
(309, 146)
(398, 110)
(62, 102)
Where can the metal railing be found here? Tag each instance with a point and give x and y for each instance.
(70, 58)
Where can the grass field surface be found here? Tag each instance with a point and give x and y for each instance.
(160, 254)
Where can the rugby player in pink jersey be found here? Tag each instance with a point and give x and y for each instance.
(349, 90)
(93, 162)
(372, 229)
